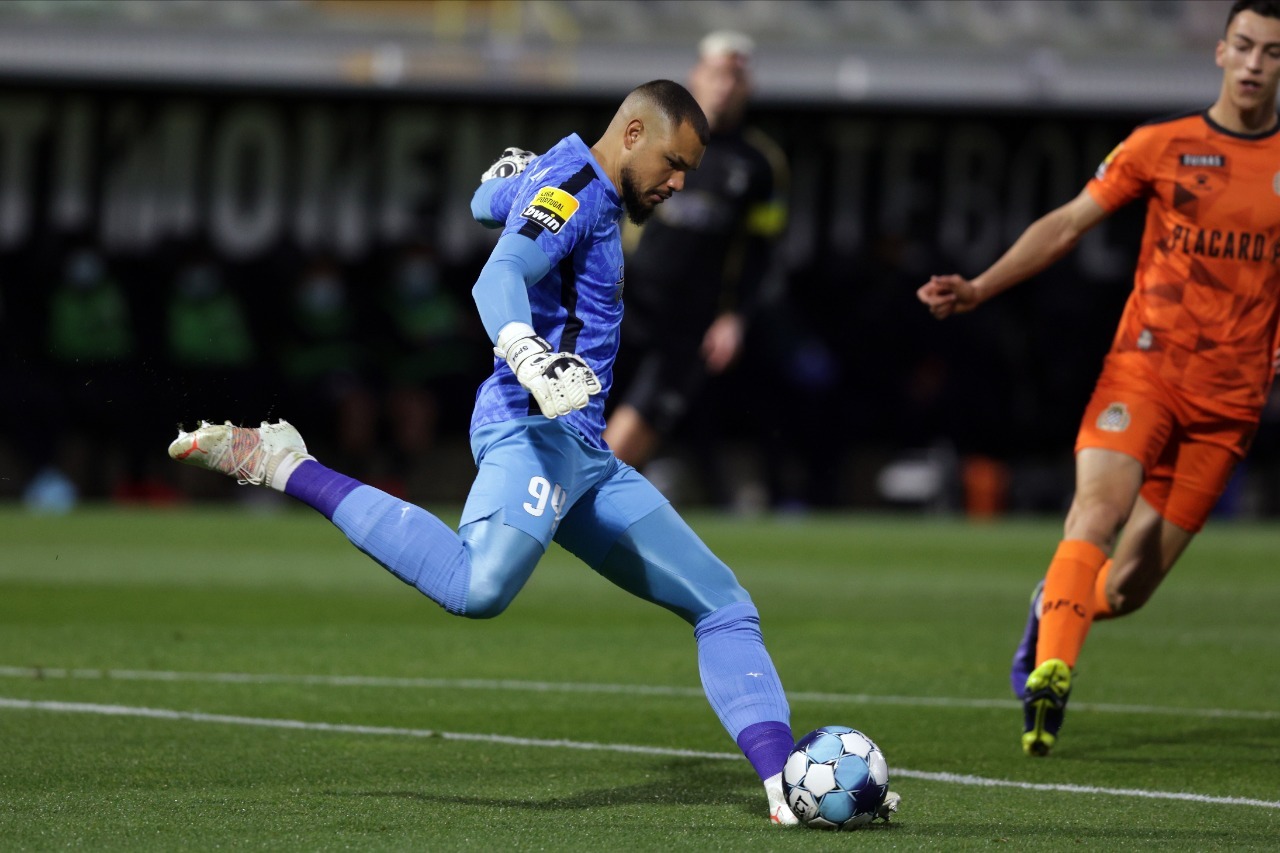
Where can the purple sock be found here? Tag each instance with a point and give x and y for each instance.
(319, 487)
(766, 746)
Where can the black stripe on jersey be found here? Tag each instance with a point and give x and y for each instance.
(581, 178)
(569, 275)
(531, 229)
(572, 322)
(569, 301)
(572, 186)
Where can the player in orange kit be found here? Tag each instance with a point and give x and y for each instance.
(1181, 391)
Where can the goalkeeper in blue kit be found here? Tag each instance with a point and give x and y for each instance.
(550, 297)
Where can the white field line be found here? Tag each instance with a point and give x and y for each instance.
(346, 728)
(26, 672)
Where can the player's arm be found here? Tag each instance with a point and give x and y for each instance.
(764, 220)
(483, 208)
(723, 340)
(560, 382)
(501, 291)
(1043, 242)
(491, 202)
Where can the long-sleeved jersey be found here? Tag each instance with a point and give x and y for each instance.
(567, 206)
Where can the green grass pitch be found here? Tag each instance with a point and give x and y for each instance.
(233, 678)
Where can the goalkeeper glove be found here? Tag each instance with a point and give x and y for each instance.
(510, 164)
(560, 382)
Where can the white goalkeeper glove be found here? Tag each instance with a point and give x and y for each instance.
(560, 382)
(510, 164)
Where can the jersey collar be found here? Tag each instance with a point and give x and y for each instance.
(1220, 129)
(605, 182)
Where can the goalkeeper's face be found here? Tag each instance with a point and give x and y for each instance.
(656, 169)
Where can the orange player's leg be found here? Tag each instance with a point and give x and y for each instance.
(1107, 484)
(1067, 609)
(1101, 606)
(1147, 551)
(1174, 506)
(1126, 425)
(1124, 436)
(1147, 459)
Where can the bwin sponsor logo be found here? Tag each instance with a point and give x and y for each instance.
(545, 218)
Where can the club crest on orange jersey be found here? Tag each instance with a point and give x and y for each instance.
(1114, 418)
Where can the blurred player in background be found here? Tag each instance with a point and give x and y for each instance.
(550, 298)
(696, 274)
(1191, 364)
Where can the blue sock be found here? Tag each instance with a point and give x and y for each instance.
(742, 685)
(766, 745)
(319, 487)
(407, 541)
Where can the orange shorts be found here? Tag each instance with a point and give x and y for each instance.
(1187, 447)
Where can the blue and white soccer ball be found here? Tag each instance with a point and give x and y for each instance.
(835, 778)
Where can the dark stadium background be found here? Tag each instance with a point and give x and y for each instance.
(153, 138)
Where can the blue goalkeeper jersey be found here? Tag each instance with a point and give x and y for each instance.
(565, 203)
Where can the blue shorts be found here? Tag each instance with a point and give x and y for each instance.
(548, 482)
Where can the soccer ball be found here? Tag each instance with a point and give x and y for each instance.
(835, 778)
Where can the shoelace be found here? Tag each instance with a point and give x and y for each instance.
(247, 455)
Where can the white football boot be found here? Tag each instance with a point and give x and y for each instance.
(889, 807)
(779, 812)
(259, 456)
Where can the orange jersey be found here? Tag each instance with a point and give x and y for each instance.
(1206, 299)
